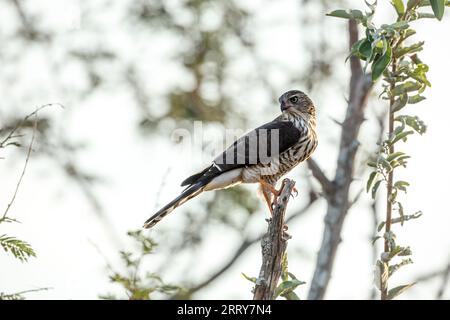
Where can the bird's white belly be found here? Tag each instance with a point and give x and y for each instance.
(225, 180)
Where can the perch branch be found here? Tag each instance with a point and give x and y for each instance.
(245, 244)
(273, 244)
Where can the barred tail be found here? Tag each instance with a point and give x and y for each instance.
(186, 195)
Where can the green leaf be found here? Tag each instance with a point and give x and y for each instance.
(401, 136)
(401, 127)
(287, 286)
(413, 122)
(339, 14)
(416, 99)
(405, 252)
(424, 3)
(354, 51)
(395, 251)
(370, 181)
(401, 213)
(402, 158)
(438, 7)
(381, 63)
(400, 103)
(401, 185)
(420, 74)
(399, 25)
(384, 163)
(399, 6)
(412, 3)
(409, 33)
(416, 47)
(394, 292)
(393, 268)
(372, 164)
(291, 295)
(365, 49)
(375, 239)
(394, 155)
(405, 87)
(361, 49)
(284, 268)
(375, 188)
(19, 249)
(251, 279)
(347, 14)
(380, 226)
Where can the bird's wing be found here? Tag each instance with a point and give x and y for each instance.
(260, 145)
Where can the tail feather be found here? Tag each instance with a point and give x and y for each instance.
(186, 195)
(194, 178)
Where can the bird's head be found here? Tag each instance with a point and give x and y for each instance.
(295, 101)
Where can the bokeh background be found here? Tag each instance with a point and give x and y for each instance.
(131, 73)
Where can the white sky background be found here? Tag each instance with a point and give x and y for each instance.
(62, 227)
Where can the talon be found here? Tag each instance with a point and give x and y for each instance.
(286, 236)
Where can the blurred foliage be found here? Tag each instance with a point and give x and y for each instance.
(204, 31)
(137, 284)
(202, 53)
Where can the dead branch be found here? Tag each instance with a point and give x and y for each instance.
(338, 200)
(245, 244)
(273, 244)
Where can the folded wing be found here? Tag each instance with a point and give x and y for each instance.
(258, 146)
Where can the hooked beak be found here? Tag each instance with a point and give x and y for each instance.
(283, 107)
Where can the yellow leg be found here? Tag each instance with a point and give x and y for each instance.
(267, 186)
(267, 198)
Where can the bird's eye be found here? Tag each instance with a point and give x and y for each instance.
(293, 99)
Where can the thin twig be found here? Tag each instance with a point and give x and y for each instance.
(19, 294)
(30, 147)
(273, 244)
(18, 125)
(390, 182)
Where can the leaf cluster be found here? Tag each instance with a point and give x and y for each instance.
(136, 284)
(390, 54)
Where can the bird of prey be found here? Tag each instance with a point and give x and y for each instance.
(261, 156)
